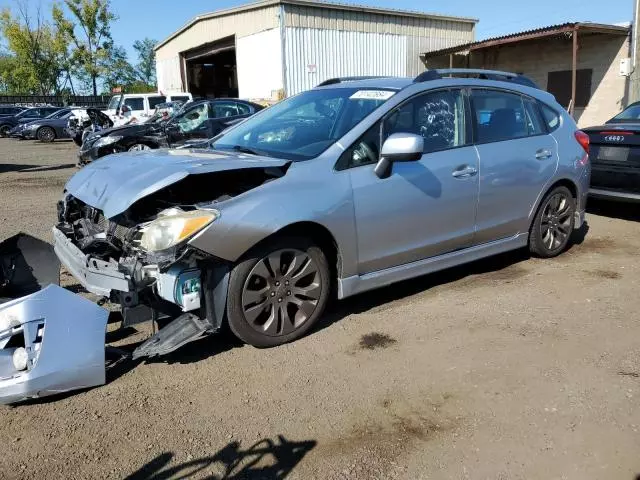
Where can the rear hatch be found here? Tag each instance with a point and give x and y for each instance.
(615, 157)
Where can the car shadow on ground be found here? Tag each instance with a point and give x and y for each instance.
(614, 209)
(273, 459)
(17, 167)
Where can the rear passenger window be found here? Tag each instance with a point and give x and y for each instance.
(135, 103)
(155, 101)
(498, 115)
(551, 117)
(535, 124)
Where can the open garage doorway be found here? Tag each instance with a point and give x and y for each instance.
(211, 70)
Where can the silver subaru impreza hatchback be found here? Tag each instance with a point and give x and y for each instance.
(351, 186)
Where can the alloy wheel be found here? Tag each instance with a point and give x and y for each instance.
(555, 224)
(281, 292)
(47, 135)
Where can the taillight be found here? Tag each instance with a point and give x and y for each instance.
(583, 140)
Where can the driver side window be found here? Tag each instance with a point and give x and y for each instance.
(437, 116)
(194, 118)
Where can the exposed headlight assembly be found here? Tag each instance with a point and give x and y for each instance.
(175, 226)
(104, 141)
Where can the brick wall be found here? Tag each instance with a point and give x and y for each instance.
(535, 59)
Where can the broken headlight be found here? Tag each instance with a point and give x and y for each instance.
(172, 228)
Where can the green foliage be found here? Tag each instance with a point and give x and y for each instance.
(146, 67)
(89, 33)
(37, 59)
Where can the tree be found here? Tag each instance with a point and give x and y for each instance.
(37, 51)
(89, 33)
(146, 67)
(118, 70)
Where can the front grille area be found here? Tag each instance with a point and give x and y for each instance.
(89, 227)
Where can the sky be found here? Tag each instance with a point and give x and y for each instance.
(157, 19)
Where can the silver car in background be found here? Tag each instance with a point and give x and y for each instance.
(351, 186)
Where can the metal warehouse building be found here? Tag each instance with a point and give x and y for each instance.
(275, 47)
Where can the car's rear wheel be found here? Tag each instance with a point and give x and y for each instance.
(139, 147)
(46, 134)
(553, 224)
(278, 292)
(4, 130)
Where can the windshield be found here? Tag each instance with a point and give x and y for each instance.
(632, 112)
(114, 103)
(25, 112)
(58, 114)
(304, 126)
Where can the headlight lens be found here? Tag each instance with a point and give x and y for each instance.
(104, 141)
(170, 229)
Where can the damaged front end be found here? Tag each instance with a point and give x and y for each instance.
(136, 251)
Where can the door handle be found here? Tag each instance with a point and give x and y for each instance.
(465, 171)
(543, 154)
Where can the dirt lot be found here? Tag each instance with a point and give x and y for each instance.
(509, 368)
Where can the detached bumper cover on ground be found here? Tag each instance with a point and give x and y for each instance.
(59, 335)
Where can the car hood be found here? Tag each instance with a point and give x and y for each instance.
(114, 183)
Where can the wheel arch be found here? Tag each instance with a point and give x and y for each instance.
(316, 232)
(562, 182)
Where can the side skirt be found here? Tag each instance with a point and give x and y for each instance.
(361, 283)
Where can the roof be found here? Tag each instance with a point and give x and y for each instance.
(314, 3)
(551, 30)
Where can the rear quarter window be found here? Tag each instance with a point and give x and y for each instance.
(551, 117)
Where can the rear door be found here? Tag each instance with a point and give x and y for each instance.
(518, 157)
(615, 158)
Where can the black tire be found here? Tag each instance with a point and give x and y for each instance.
(78, 140)
(254, 333)
(46, 134)
(553, 224)
(4, 131)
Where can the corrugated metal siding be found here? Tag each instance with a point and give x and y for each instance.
(238, 24)
(339, 54)
(168, 72)
(259, 58)
(356, 21)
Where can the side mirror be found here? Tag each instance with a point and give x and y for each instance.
(399, 147)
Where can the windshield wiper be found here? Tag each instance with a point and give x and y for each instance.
(241, 149)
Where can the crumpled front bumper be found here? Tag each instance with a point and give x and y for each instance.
(95, 275)
(64, 337)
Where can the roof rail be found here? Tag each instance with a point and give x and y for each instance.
(477, 73)
(333, 81)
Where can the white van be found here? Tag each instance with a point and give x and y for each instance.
(140, 106)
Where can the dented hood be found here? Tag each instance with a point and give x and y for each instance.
(114, 183)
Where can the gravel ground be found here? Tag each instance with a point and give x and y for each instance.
(505, 369)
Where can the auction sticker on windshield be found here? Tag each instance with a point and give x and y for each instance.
(372, 95)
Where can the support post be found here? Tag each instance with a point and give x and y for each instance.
(574, 72)
(451, 60)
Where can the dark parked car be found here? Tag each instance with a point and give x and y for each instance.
(26, 116)
(9, 110)
(196, 122)
(46, 130)
(615, 156)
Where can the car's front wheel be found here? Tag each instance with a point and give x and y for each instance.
(46, 134)
(139, 147)
(553, 224)
(278, 292)
(4, 130)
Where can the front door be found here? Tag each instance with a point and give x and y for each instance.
(517, 160)
(426, 207)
